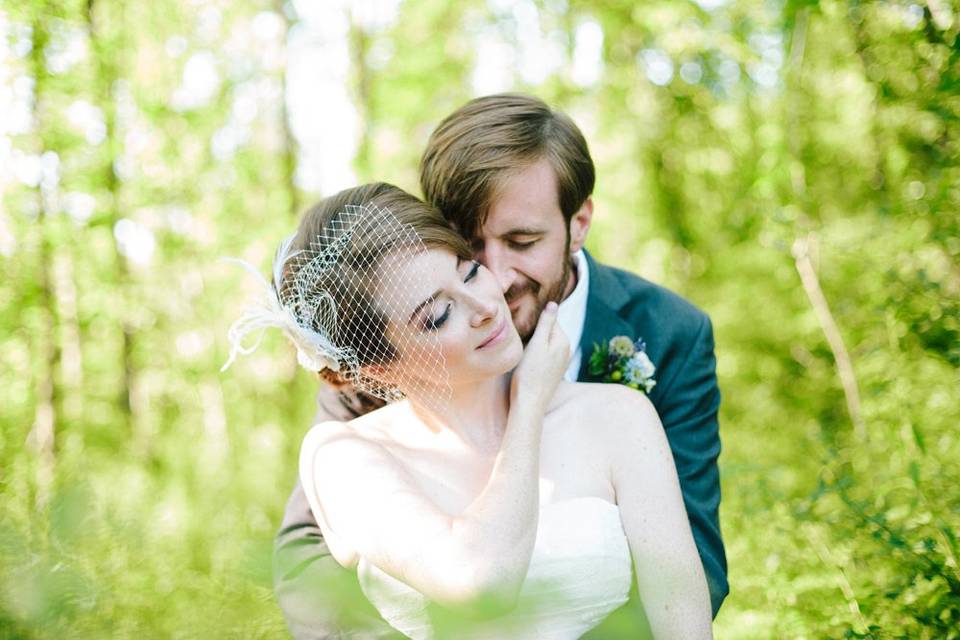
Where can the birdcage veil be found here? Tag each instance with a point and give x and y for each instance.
(332, 299)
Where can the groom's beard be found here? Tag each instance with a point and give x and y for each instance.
(527, 298)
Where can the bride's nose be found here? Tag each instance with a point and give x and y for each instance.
(483, 310)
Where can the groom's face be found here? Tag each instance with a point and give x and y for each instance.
(527, 244)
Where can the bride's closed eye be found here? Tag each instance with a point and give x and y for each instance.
(474, 268)
(433, 323)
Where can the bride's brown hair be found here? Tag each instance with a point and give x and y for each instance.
(361, 326)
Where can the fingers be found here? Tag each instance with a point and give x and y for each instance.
(546, 324)
(548, 319)
(559, 338)
(544, 358)
(556, 335)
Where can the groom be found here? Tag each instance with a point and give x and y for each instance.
(516, 178)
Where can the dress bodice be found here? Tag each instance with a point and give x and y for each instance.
(580, 571)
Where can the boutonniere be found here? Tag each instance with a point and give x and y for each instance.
(625, 361)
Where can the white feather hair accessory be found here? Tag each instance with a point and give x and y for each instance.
(315, 351)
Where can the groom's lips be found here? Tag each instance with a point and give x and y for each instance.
(496, 337)
(515, 296)
(515, 303)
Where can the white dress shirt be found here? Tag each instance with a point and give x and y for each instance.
(573, 313)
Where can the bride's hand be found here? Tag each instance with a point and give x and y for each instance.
(544, 361)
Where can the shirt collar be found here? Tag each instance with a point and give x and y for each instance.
(573, 312)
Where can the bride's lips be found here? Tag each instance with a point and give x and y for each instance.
(495, 338)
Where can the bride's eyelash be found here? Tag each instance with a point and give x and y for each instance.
(433, 324)
(473, 271)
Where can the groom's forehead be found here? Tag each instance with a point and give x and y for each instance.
(516, 220)
(526, 201)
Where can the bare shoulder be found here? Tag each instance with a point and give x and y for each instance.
(331, 447)
(611, 411)
(323, 432)
(342, 468)
(346, 444)
(610, 401)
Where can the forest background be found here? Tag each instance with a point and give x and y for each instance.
(791, 167)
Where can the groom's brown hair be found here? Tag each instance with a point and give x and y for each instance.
(491, 138)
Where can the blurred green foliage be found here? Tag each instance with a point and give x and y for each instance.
(141, 488)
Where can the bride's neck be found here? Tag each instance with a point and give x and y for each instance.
(476, 413)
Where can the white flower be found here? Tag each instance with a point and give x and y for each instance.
(621, 346)
(639, 370)
(642, 362)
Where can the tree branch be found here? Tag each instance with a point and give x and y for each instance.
(811, 285)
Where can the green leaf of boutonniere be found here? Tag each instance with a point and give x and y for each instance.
(598, 360)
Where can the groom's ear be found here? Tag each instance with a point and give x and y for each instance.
(580, 224)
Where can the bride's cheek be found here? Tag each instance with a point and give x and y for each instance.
(453, 349)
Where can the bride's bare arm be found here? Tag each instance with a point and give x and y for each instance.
(371, 502)
(670, 577)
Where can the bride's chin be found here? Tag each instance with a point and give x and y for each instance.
(485, 365)
(512, 355)
(498, 363)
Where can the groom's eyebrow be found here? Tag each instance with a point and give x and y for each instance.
(478, 242)
(523, 231)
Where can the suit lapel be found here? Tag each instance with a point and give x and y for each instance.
(604, 300)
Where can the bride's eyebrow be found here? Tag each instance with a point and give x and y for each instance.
(432, 297)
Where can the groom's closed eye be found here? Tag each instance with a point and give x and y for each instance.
(522, 238)
(520, 245)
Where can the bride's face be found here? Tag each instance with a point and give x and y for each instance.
(453, 308)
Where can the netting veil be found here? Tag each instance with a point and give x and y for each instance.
(336, 298)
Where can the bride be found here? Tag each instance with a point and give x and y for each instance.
(486, 479)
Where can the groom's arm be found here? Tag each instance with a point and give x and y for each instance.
(319, 598)
(688, 398)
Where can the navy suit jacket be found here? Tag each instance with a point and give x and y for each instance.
(679, 341)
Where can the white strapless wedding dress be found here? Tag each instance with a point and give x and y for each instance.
(580, 571)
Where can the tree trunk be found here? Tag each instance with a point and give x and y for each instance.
(43, 433)
(363, 80)
(288, 157)
(107, 75)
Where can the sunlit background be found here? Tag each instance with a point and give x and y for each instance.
(790, 166)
